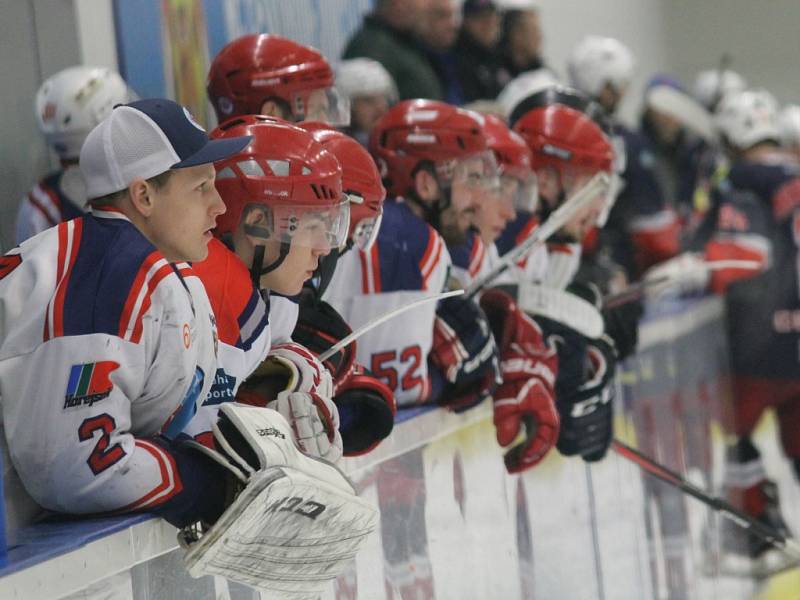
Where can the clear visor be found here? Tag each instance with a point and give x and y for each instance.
(614, 188)
(320, 228)
(476, 172)
(521, 192)
(588, 216)
(364, 232)
(327, 105)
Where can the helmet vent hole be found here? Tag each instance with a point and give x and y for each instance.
(316, 191)
(279, 167)
(250, 168)
(226, 173)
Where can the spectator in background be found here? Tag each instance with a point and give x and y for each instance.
(387, 37)
(520, 43)
(476, 58)
(371, 91)
(437, 30)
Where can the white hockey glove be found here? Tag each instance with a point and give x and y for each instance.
(686, 273)
(306, 400)
(295, 522)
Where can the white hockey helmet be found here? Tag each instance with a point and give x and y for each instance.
(789, 123)
(70, 103)
(596, 61)
(364, 77)
(524, 85)
(747, 118)
(712, 85)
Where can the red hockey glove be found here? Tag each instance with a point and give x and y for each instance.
(523, 404)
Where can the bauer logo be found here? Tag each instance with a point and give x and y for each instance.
(89, 383)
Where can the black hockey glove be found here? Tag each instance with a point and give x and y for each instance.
(587, 410)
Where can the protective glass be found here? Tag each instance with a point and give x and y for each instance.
(364, 231)
(521, 190)
(317, 227)
(477, 171)
(328, 105)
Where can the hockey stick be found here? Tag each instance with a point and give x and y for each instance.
(637, 290)
(756, 527)
(382, 319)
(554, 222)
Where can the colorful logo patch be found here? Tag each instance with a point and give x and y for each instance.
(89, 383)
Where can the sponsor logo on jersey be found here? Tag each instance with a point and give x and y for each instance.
(89, 383)
(222, 389)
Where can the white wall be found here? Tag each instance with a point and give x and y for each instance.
(762, 38)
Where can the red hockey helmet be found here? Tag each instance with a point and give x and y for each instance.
(361, 182)
(286, 170)
(424, 130)
(258, 67)
(565, 138)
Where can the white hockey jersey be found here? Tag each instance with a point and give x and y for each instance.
(59, 197)
(408, 260)
(106, 349)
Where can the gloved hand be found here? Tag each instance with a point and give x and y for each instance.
(622, 326)
(524, 400)
(367, 409)
(464, 353)
(587, 410)
(293, 382)
(686, 273)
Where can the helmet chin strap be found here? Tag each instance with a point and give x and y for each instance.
(257, 268)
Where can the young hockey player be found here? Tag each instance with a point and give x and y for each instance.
(265, 74)
(68, 106)
(285, 211)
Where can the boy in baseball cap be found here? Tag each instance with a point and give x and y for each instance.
(107, 339)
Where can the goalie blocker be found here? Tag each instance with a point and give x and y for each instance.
(295, 522)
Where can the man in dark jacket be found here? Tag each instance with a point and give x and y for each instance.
(478, 66)
(386, 36)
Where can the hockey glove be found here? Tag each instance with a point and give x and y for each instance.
(622, 326)
(301, 390)
(283, 505)
(523, 404)
(464, 353)
(587, 410)
(318, 328)
(366, 411)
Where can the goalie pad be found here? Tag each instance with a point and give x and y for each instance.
(296, 523)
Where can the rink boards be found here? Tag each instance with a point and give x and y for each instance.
(455, 525)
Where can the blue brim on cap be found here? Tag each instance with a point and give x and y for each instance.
(214, 150)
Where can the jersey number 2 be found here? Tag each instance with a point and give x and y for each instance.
(102, 456)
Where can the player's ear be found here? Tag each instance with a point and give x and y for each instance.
(141, 196)
(426, 186)
(271, 108)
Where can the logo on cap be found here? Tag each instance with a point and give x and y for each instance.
(191, 119)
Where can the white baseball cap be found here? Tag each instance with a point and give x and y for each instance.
(144, 139)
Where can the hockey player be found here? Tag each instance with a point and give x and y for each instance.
(433, 155)
(68, 106)
(755, 215)
(108, 339)
(789, 120)
(265, 74)
(642, 228)
(285, 211)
